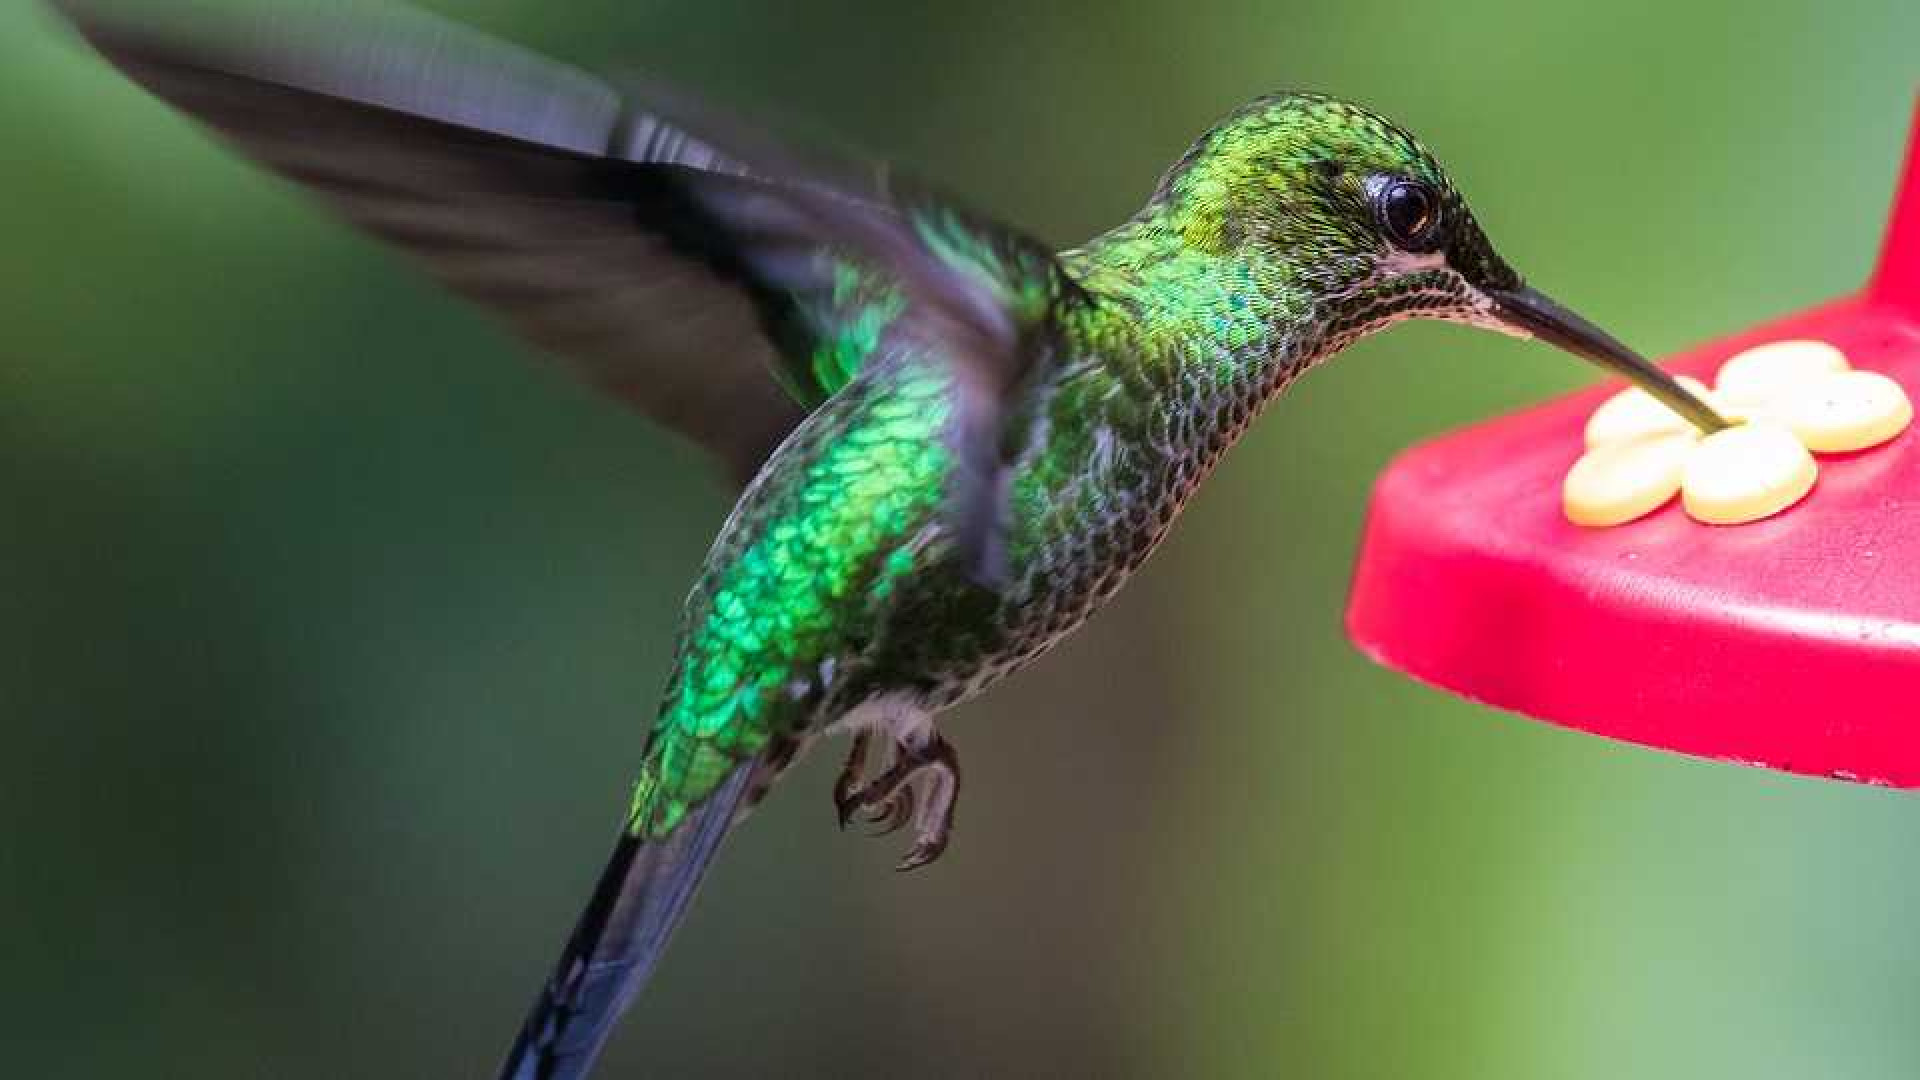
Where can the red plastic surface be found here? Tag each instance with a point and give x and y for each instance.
(1792, 643)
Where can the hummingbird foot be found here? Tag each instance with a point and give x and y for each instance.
(887, 811)
(921, 785)
(846, 788)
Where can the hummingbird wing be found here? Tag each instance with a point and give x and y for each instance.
(710, 279)
(677, 270)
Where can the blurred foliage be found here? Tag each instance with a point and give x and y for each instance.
(329, 625)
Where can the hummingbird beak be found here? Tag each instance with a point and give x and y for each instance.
(1527, 312)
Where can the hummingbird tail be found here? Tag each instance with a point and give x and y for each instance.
(642, 895)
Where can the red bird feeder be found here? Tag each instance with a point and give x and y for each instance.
(1791, 643)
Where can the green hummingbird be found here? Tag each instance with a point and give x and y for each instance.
(955, 442)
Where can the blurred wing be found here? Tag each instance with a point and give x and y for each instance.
(712, 294)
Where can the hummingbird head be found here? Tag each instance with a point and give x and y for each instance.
(1343, 205)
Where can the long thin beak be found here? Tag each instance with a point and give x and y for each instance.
(1536, 315)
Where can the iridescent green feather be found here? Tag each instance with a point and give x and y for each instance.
(798, 576)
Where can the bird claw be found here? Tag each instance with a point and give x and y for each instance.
(923, 852)
(846, 788)
(891, 816)
(921, 785)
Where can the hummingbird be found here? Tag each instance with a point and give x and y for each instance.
(954, 442)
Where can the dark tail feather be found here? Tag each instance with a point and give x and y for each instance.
(640, 899)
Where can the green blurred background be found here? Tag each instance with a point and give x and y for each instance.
(329, 625)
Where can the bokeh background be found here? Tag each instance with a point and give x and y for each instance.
(329, 625)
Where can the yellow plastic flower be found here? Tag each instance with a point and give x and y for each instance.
(1790, 399)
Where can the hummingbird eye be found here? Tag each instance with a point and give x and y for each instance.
(1408, 210)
